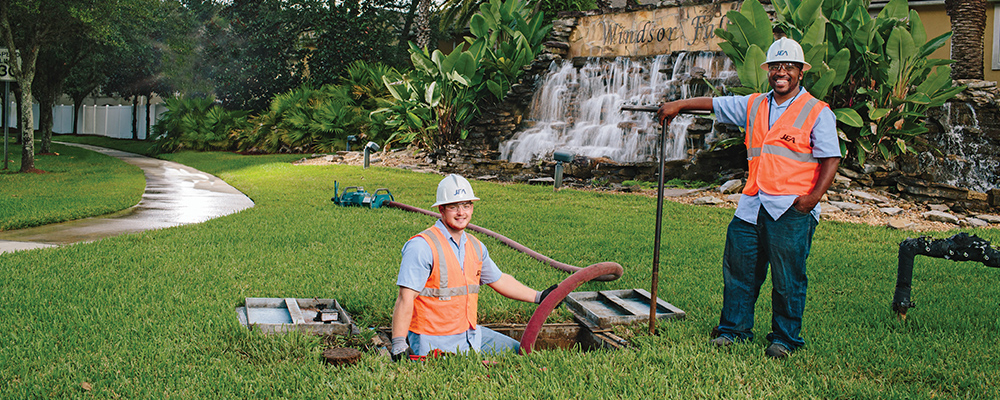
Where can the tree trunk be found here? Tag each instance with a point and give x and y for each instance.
(77, 105)
(17, 112)
(135, 116)
(147, 117)
(27, 129)
(404, 35)
(968, 22)
(45, 123)
(423, 23)
(78, 98)
(25, 74)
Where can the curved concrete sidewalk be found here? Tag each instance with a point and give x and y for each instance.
(175, 195)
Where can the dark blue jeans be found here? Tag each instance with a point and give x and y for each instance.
(784, 245)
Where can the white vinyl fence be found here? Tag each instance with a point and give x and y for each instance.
(110, 121)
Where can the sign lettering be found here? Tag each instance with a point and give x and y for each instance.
(5, 71)
(649, 32)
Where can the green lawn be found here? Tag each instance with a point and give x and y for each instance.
(150, 315)
(77, 183)
(143, 147)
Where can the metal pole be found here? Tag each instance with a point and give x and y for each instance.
(6, 92)
(558, 175)
(659, 222)
(659, 206)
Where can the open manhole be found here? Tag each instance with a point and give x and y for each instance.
(277, 315)
(596, 313)
(564, 336)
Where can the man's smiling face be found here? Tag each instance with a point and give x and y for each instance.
(784, 77)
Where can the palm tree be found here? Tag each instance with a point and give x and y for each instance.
(422, 23)
(968, 22)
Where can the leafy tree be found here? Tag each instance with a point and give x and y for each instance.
(33, 26)
(53, 68)
(348, 32)
(259, 52)
(25, 30)
(83, 79)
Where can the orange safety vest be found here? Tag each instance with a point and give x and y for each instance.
(780, 157)
(450, 298)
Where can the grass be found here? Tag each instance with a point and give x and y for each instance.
(150, 315)
(77, 183)
(143, 147)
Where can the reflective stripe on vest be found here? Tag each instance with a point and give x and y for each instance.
(448, 303)
(780, 157)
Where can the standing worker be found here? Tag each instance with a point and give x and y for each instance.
(439, 279)
(793, 153)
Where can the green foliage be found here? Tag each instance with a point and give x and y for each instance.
(351, 31)
(440, 96)
(196, 124)
(505, 37)
(268, 47)
(304, 119)
(874, 72)
(258, 53)
(311, 119)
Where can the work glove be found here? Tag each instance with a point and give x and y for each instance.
(545, 293)
(400, 350)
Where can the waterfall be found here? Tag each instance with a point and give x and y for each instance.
(578, 110)
(965, 166)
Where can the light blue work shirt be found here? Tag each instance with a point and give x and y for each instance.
(824, 141)
(415, 269)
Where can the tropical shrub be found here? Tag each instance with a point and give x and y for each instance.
(874, 72)
(311, 119)
(438, 98)
(196, 124)
(303, 119)
(506, 37)
(438, 92)
(369, 93)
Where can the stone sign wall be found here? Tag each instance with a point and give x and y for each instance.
(650, 32)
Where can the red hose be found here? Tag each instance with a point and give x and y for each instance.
(608, 276)
(565, 287)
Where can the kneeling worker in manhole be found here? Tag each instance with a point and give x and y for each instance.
(439, 279)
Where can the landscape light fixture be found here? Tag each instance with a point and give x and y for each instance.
(351, 139)
(370, 147)
(560, 157)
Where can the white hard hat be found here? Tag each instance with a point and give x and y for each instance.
(786, 50)
(453, 189)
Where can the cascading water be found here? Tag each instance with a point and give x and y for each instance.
(965, 166)
(578, 110)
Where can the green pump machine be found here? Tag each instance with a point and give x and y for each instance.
(357, 196)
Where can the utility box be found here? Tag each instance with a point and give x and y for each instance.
(279, 315)
(599, 311)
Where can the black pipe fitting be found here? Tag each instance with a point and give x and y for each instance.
(961, 247)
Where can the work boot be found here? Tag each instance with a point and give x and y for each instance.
(721, 341)
(777, 351)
